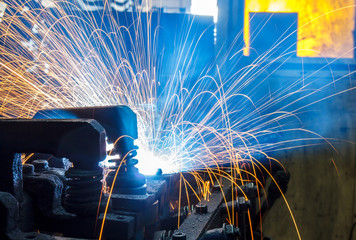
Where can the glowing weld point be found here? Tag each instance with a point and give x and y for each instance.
(149, 163)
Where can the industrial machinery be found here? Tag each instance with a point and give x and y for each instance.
(52, 185)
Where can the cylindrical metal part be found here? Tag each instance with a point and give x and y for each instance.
(201, 208)
(179, 236)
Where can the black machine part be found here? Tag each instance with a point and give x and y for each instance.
(118, 121)
(80, 140)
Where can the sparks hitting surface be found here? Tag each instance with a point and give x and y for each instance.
(219, 118)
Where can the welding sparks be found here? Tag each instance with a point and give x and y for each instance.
(224, 117)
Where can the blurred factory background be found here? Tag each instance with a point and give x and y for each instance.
(296, 40)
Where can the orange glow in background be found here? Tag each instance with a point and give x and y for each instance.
(325, 27)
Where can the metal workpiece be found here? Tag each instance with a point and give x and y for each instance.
(40, 165)
(173, 181)
(162, 235)
(84, 191)
(157, 187)
(59, 172)
(241, 205)
(201, 208)
(216, 188)
(133, 199)
(28, 169)
(132, 202)
(52, 165)
(80, 140)
(145, 209)
(144, 219)
(37, 236)
(128, 179)
(145, 203)
(124, 177)
(196, 224)
(248, 189)
(118, 226)
(118, 121)
(11, 180)
(53, 162)
(227, 232)
(10, 218)
(230, 231)
(9, 214)
(178, 235)
(169, 235)
(169, 221)
(46, 190)
(60, 187)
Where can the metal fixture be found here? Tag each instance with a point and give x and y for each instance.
(120, 123)
(59, 189)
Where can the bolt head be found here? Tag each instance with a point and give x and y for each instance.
(179, 236)
(201, 208)
(40, 164)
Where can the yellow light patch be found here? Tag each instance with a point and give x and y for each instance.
(325, 27)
